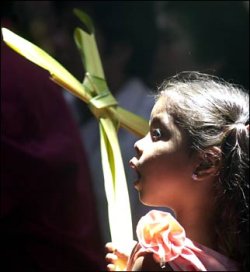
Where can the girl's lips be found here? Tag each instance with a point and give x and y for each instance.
(133, 164)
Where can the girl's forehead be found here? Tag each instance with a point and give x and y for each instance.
(159, 110)
(166, 100)
(160, 106)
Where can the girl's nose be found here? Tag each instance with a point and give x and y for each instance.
(138, 147)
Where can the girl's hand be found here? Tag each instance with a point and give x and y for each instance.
(117, 258)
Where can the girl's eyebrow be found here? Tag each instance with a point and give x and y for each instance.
(156, 120)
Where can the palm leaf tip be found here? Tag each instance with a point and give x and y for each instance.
(85, 19)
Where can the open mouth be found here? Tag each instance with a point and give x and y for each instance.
(138, 174)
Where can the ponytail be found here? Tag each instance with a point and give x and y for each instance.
(234, 198)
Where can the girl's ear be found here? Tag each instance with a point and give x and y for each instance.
(209, 165)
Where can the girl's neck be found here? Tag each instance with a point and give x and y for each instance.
(199, 227)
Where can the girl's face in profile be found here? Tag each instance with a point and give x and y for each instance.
(163, 163)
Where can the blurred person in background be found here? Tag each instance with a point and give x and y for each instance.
(48, 211)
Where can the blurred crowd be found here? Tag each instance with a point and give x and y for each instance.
(141, 43)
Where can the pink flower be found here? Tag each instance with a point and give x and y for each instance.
(160, 233)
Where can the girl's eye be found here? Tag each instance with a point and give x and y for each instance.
(156, 134)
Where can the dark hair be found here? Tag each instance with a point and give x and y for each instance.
(215, 113)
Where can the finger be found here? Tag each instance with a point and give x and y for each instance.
(111, 258)
(111, 267)
(110, 247)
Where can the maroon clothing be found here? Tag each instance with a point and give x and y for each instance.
(48, 213)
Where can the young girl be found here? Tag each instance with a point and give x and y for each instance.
(194, 160)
